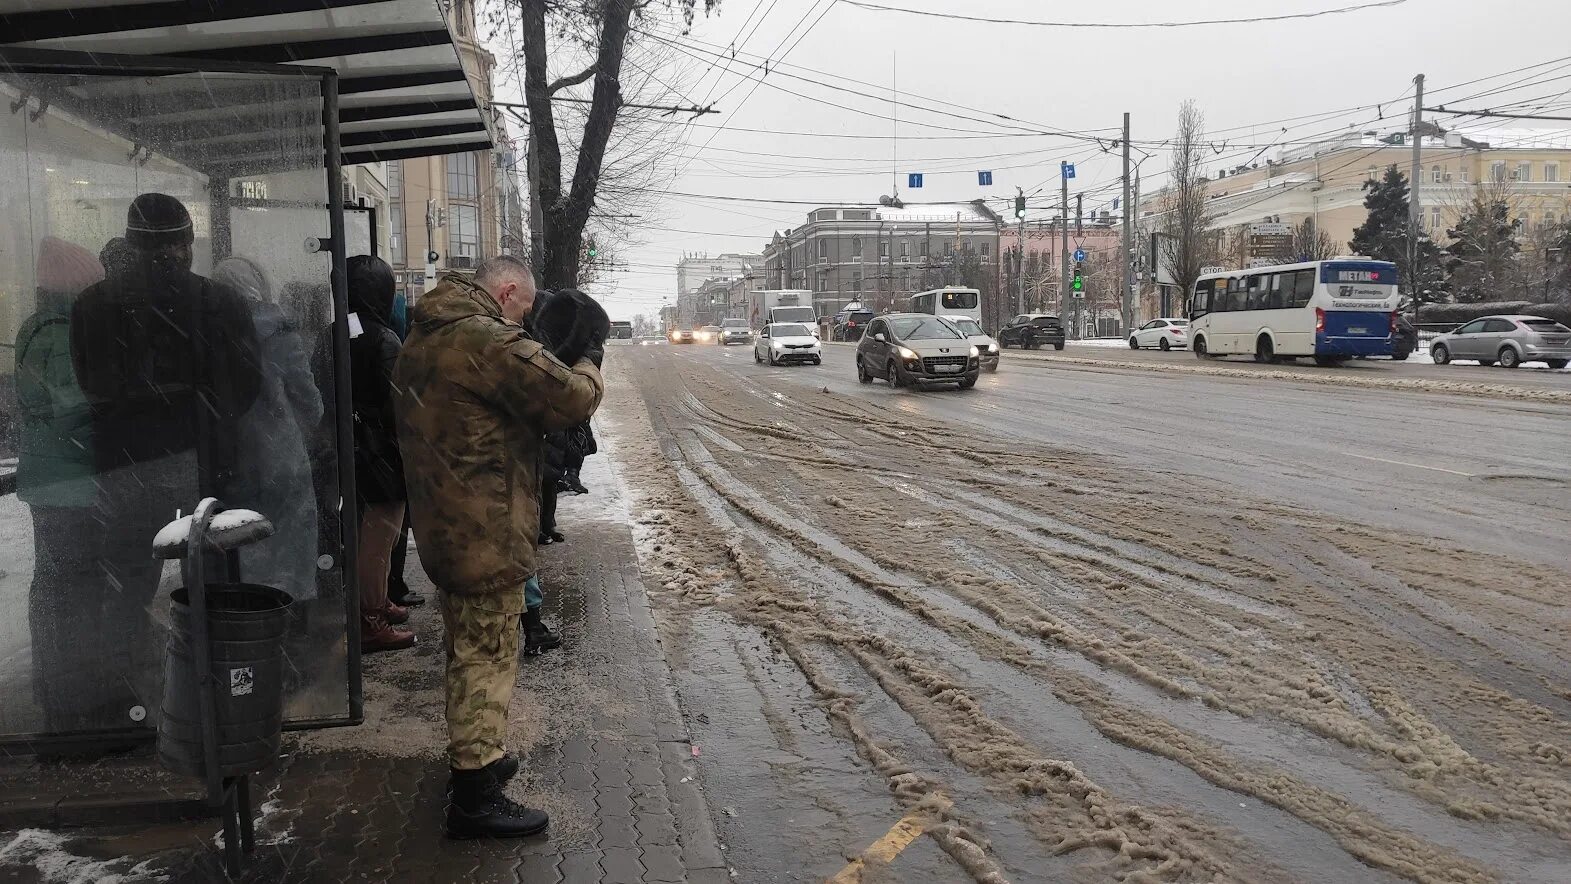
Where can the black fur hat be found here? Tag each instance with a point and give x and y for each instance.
(570, 324)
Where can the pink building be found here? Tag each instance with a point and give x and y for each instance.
(1040, 272)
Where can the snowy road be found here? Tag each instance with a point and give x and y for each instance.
(1086, 622)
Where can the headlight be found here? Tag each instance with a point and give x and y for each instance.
(992, 348)
(908, 353)
(974, 351)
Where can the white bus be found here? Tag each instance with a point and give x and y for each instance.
(948, 302)
(1331, 310)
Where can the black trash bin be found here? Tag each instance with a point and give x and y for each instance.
(246, 625)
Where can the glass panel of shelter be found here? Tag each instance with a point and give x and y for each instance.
(155, 358)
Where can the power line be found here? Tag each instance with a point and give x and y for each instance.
(1161, 24)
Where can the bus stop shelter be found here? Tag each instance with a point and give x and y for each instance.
(244, 112)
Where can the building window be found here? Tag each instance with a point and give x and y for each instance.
(1549, 219)
(1497, 171)
(1551, 172)
(856, 280)
(949, 247)
(395, 233)
(1461, 173)
(905, 250)
(1524, 171)
(987, 249)
(856, 247)
(463, 236)
(823, 250)
(924, 247)
(1434, 219)
(462, 177)
(1373, 173)
(1436, 175)
(883, 248)
(395, 180)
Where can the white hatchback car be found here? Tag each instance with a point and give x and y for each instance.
(1163, 334)
(783, 342)
(986, 347)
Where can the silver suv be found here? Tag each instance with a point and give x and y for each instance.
(1508, 340)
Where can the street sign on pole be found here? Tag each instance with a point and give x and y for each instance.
(1080, 255)
(984, 179)
(1068, 169)
(914, 180)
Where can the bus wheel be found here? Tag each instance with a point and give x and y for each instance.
(1265, 351)
(1200, 349)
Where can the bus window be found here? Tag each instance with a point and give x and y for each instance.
(959, 300)
(1303, 288)
(1201, 303)
(1274, 299)
(1228, 300)
(1255, 296)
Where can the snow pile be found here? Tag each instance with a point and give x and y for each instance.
(48, 854)
(174, 534)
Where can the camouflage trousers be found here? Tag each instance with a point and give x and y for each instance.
(481, 642)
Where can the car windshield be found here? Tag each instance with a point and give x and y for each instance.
(1545, 325)
(790, 330)
(1178, 322)
(734, 324)
(1045, 320)
(924, 328)
(969, 326)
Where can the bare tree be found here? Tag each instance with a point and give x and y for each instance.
(1310, 243)
(601, 30)
(1189, 241)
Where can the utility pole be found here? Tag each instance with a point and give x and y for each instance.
(1020, 253)
(1063, 258)
(1128, 311)
(1415, 211)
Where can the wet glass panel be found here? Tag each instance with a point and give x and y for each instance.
(154, 357)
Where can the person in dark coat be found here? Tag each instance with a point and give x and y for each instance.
(379, 466)
(168, 363)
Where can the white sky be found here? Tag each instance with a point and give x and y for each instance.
(1081, 80)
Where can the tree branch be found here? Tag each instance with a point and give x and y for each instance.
(562, 83)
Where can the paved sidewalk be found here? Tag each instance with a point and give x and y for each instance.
(606, 753)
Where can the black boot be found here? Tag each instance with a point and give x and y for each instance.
(537, 636)
(477, 807)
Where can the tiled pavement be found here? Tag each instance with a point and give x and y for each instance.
(612, 762)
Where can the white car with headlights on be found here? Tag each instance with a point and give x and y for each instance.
(986, 347)
(785, 342)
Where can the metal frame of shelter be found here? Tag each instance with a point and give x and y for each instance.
(16, 65)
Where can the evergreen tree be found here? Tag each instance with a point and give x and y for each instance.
(1482, 258)
(1384, 237)
(1559, 259)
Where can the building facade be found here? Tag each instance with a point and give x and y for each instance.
(695, 271)
(879, 256)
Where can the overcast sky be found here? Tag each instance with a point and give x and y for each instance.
(1076, 80)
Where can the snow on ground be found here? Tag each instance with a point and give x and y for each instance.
(50, 855)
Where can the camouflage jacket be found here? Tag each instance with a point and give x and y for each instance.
(476, 396)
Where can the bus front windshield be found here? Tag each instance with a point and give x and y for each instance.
(959, 300)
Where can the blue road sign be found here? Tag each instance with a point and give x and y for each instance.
(1068, 169)
(984, 179)
(1080, 255)
(914, 180)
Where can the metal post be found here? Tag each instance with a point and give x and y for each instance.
(1415, 211)
(1063, 258)
(349, 528)
(1128, 312)
(1020, 264)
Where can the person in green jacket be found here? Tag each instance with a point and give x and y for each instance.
(55, 477)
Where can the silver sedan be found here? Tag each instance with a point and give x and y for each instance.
(1508, 340)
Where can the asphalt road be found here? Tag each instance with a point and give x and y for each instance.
(1490, 472)
(1104, 620)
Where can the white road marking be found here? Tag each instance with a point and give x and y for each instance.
(1416, 466)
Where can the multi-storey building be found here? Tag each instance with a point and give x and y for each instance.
(698, 269)
(878, 255)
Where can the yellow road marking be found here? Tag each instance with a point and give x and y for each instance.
(883, 851)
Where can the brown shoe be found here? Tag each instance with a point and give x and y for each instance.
(376, 634)
(397, 614)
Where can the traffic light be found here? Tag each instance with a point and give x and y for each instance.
(1079, 282)
(1020, 206)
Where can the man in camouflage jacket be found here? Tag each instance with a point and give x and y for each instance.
(476, 396)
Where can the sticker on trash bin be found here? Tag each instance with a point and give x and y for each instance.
(324, 562)
(137, 713)
(242, 679)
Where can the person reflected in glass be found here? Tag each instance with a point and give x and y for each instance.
(274, 475)
(167, 360)
(379, 467)
(54, 477)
